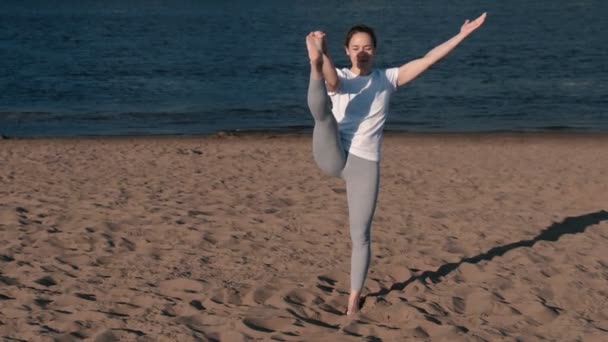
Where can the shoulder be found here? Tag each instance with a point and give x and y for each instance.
(388, 72)
(388, 75)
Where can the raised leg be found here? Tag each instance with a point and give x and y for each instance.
(326, 145)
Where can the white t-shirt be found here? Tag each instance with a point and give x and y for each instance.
(360, 105)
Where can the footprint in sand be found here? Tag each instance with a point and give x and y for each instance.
(46, 281)
(268, 325)
(337, 281)
(312, 317)
(538, 311)
(5, 297)
(299, 297)
(127, 244)
(6, 258)
(18, 216)
(326, 284)
(226, 296)
(227, 335)
(260, 295)
(333, 309)
(86, 296)
(359, 328)
(180, 287)
(42, 302)
(115, 335)
(197, 305)
(458, 305)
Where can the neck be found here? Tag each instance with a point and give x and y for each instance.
(360, 71)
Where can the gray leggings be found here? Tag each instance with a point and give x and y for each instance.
(361, 177)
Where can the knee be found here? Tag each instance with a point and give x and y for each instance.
(329, 167)
(316, 106)
(320, 110)
(332, 171)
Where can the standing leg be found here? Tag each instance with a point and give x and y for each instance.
(362, 181)
(326, 145)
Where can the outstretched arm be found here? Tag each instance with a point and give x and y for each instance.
(411, 70)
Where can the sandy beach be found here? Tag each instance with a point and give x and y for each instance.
(500, 237)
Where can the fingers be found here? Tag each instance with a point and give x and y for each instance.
(317, 35)
(478, 21)
(472, 25)
(318, 38)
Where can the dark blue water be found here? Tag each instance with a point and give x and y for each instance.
(194, 67)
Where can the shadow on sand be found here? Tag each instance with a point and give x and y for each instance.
(570, 225)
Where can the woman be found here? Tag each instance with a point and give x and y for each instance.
(347, 136)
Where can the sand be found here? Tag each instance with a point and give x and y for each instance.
(500, 237)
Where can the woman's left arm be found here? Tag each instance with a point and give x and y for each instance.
(412, 69)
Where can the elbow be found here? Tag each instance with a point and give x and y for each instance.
(428, 60)
(331, 86)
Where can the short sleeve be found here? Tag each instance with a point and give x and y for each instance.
(392, 75)
(341, 76)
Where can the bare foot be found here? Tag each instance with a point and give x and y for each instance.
(320, 41)
(314, 45)
(353, 303)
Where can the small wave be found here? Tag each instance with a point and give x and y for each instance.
(563, 128)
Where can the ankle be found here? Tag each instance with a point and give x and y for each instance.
(352, 308)
(316, 71)
(317, 64)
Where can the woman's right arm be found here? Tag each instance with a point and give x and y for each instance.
(332, 81)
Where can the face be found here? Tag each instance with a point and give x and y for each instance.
(361, 50)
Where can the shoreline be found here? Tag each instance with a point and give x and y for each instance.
(308, 133)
